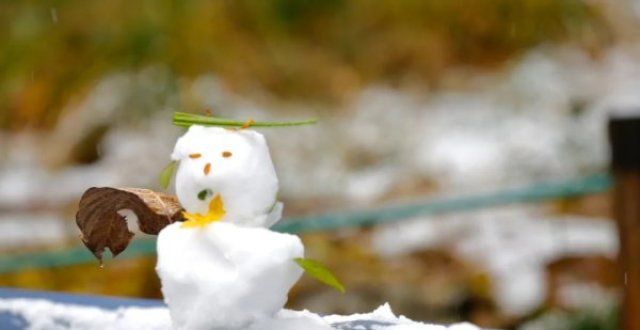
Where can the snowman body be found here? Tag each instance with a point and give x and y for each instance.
(233, 272)
(225, 276)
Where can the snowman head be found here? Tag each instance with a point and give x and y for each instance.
(234, 164)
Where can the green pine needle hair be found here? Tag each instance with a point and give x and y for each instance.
(184, 119)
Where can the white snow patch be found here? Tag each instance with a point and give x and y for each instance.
(384, 315)
(587, 296)
(45, 315)
(513, 244)
(544, 117)
(370, 184)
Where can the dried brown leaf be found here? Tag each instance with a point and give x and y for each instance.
(103, 227)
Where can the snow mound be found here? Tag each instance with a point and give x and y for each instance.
(40, 314)
(224, 276)
(383, 318)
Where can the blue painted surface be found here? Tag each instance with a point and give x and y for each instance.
(361, 325)
(14, 322)
(77, 299)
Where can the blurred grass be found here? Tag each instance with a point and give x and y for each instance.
(52, 51)
(127, 277)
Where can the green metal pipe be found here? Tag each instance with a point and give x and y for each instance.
(535, 193)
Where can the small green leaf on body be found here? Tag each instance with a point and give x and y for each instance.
(166, 174)
(320, 273)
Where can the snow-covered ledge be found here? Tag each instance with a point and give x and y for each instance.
(35, 313)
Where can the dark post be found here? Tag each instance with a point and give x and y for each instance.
(624, 136)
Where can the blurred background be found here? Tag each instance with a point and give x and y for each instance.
(417, 100)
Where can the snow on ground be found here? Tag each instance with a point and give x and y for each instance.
(512, 244)
(541, 117)
(585, 302)
(37, 314)
(45, 315)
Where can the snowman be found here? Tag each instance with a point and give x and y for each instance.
(223, 268)
(219, 264)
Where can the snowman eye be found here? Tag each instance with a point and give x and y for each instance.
(226, 154)
(194, 156)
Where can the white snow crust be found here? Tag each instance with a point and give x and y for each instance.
(46, 315)
(41, 314)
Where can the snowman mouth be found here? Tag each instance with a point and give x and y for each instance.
(205, 194)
